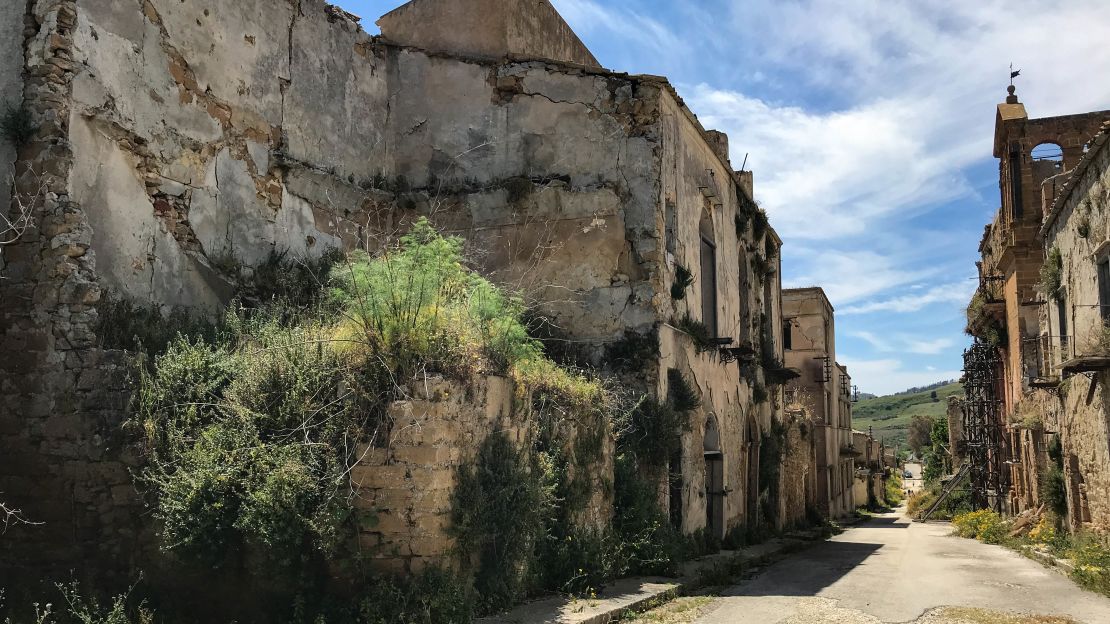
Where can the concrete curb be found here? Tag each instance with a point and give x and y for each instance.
(634, 595)
(1058, 565)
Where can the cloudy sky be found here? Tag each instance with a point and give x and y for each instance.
(868, 125)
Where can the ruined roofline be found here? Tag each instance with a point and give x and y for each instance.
(488, 28)
(1071, 116)
(568, 67)
(1098, 143)
(808, 292)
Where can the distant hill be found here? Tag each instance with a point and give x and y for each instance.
(890, 416)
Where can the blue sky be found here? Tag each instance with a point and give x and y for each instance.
(868, 125)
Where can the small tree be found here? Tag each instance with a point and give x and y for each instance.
(921, 428)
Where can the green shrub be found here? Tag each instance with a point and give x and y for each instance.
(981, 324)
(249, 432)
(498, 511)
(1052, 273)
(683, 396)
(649, 545)
(893, 492)
(698, 332)
(654, 432)
(1091, 555)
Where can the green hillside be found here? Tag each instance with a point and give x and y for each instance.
(890, 416)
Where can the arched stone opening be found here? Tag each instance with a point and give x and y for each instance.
(714, 479)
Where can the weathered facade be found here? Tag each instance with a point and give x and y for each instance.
(1077, 218)
(1016, 319)
(826, 389)
(268, 127)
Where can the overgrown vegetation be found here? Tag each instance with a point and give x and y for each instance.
(750, 214)
(937, 463)
(982, 324)
(249, 429)
(958, 502)
(630, 352)
(698, 332)
(893, 494)
(683, 279)
(1052, 487)
(76, 607)
(1052, 274)
(17, 126)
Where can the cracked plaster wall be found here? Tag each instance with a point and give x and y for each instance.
(185, 141)
(1083, 415)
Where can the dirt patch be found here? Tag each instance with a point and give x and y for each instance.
(679, 611)
(967, 615)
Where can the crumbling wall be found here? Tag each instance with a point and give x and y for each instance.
(61, 400)
(697, 184)
(487, 28)
(1078, 228)
(797, 469)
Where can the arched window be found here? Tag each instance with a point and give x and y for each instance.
(1047, 161)
(708, 274)
(1047, 151)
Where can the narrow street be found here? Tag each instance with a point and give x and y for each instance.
(891, 570)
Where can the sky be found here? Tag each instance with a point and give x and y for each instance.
(868, 125)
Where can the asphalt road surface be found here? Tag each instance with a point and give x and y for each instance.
(891, 570)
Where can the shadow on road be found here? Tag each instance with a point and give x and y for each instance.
(889, 522)
(814, 569)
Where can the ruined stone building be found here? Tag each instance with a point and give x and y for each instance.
(869, 484)
(825, 388)
(1032, 314)
(180, 144)
(1076, 205)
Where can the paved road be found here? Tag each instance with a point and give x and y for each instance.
(892, 570)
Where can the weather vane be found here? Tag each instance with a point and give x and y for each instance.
(1013, 74)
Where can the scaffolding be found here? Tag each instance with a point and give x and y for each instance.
(987, 448)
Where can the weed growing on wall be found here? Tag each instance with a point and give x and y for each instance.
(698, 332)
(499, 508)
(982, 324)
(17, 127)
(683, 279)
(1052, 273)
(633, 350)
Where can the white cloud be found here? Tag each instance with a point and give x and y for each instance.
(878, 343)
(929, 347)
(954, 293)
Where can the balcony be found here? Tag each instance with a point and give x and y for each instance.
(991, 288)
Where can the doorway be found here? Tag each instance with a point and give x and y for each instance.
(714, 481)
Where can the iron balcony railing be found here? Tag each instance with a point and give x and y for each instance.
(992, 287)
(1042, 357)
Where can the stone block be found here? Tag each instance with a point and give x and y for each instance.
(376, 477)
(426, 455)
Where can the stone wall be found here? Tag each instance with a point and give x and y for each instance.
(404, 486)
(798, 470)
(1080, 228)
